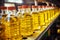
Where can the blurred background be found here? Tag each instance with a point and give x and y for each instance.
(51, 32)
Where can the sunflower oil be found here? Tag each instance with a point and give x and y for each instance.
(2, 31)
(13, 24)
(51, 13)
(52, 10)
(41, 17)
(35, 16)
(3, 21)
(2, 25)
(46, 15)
(26, 28)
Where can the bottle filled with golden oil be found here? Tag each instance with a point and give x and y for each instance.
(35, 16)
(53, 12)
(3, 21)
(12, 25)
(49, 14)
(57, 11)
(2, 25)
(26, 27)
(3, 14)
(15, 31)
(7, 28)
(41, 17)
(45, 15)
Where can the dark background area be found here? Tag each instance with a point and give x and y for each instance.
(56, 2)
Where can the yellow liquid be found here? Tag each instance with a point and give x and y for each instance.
(2, 31)
(14, 28)
(59, 10)
(52, 14)
(46, 17)
(7, 30)
(3, 18)
(56, 13)
(42, 19)
(26, 28)
(58, 31)
(6, 27)
(49, 16)
(35, 21)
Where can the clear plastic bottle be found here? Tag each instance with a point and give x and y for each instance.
(35, 16)
(51, 13)
(48, 14)
(45, 15)
(3, 21)
(12, 25)
(26, 28)
(2, 25)
(42, 17)
(3, 14)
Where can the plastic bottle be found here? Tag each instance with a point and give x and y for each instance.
(13, 24)
(3, 15)
(35, 16)
(42, 17)
(2, 25)
(26, 28)
(48, 14)
(45, 15)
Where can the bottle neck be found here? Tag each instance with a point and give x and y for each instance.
(34, 9)
(41, 9)
(2, 12)
(14, 12)
(8, 15)
(26, 10)
(23, 10)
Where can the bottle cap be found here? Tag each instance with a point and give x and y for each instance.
(33, 6)
(24, 6)
(39, 6)
(11, 8)
(19, 7)
(43, 6)
(29, 6)
(3, 8)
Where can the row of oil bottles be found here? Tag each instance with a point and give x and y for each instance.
(14, 25)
